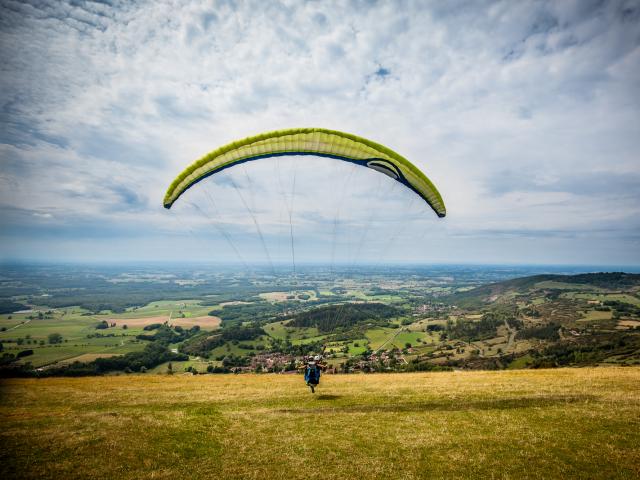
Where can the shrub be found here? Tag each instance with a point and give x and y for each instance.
(54, 338)
(153, 326)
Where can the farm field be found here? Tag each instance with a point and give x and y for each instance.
(80, 340)
(372, 321)
(562, 423)
(205, 322)
(601, 297)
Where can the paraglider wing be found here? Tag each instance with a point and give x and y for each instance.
(309, 141)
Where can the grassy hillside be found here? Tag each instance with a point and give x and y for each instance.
(592, 281)
(565, 423)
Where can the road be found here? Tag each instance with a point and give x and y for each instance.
(19, 325)
(390, 339)
(512, 335)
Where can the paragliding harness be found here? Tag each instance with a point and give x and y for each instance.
(312, 374)
(312, 369)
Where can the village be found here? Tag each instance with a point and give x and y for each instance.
(381, 361)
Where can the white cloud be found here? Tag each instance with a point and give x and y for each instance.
(512, 108)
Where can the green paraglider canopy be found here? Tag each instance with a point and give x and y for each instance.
(314, 142)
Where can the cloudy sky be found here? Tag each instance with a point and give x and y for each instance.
(526, 115)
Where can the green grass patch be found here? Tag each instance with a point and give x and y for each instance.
(521, 362)
(379, 336)
(592, 315)
(404, 337)
(567, 423)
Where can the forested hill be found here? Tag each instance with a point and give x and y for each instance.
(610, 281)
(335, 317)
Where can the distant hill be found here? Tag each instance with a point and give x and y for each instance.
(8, 306)
(610, 281)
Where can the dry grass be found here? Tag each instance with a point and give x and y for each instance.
(275, 296)
(626, 324)
(87, 357)
(207, 322)
(571, 423)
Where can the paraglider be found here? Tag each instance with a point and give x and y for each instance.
(309, 142)
(306, 143)
(313, 367)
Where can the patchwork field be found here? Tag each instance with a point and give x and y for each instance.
(87, 357)
(288, 296)
(563, 423)
(82, 341)
(206, 322)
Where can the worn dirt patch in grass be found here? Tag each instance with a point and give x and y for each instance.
(87, 357)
